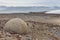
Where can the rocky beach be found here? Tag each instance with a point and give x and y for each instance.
(43, 26)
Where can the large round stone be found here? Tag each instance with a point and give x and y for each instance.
(16, 25)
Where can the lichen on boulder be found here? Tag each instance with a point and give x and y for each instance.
(16, 25)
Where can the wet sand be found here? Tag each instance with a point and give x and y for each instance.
(43, 26)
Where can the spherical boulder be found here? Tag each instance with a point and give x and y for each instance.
(16, 25)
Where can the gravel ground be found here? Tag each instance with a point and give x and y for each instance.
(42, 28)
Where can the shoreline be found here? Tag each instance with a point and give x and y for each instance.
(42, 25)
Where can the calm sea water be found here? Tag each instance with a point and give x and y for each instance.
(26, 9)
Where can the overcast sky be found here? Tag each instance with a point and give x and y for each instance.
(29, 2)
